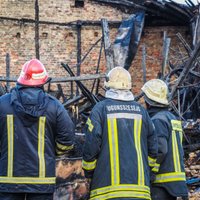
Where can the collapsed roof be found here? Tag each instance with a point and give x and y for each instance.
(160, 12)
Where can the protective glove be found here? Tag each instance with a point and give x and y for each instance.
(152, 177)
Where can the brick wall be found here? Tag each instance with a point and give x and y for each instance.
(59, 43)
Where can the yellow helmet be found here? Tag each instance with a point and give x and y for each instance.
(118, 78)
(157, 91)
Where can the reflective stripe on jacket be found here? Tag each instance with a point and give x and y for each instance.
(119, 139)
(171, 174)
(28, 140)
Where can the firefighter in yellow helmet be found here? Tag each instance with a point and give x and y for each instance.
(34, 126)
(170, 180)
(120, 143)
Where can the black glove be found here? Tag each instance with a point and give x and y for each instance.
(152, 177)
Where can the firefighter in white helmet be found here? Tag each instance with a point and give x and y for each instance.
(120, 143)
(170, 180)
(34, 126)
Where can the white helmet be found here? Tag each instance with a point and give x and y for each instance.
(156, 90)
(119, 78)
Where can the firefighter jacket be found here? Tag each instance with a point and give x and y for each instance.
(33, 125)
(171, 174)
(119, 140)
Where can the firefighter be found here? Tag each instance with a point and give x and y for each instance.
(33, 127)
(120, 143)
(170, 180)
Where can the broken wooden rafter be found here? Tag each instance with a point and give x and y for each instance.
(144, 63)
(185, 44)
(107, 46)
(64, 24)
(176, 9)
(186, 69)
(67, 79)
(91, 97)
(166, 12)
(122, 3)
(166, 46)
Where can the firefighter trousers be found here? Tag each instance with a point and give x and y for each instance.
(159, 193)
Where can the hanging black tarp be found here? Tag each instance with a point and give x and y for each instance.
(127, 40)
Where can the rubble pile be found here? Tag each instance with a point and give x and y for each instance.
(183, 80)
(192, 157)
(71, 183)
(70, 180)
(192, 168)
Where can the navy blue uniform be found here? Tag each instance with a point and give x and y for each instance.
(33, 127)
(120, 143)
(170, 174)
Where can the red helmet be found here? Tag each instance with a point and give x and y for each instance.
(33, 74)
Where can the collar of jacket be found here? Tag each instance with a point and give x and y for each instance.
(153, 110)
(124, 95)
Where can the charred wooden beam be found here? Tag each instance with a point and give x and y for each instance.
(152, 7)
(185, 44)
(165, 55)
(79, 25)
(107, 45)
(60, 93)
(144, 63)
(62, 80)
(72, 101)
(91, 97)
(161, 10)
(187, 67)
(8, 71)
(188, 50)
(65, 24)
(196, 31)
(122, 3)
(178, 9)
(97, 70)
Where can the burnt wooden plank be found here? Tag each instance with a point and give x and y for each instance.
(107, 45)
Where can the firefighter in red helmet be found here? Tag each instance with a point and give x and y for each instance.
(33, 74)
(34, 127)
